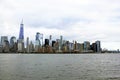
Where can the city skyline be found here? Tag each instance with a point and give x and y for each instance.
(79, 20)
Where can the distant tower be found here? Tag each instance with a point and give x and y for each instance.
(46, 42)
(50, 40)
(27, 45)
(60, 42)
(13, 44)
(12, 41)
(98, 45)
(21, 33)
(21, 38)
(86, 46)
(5, 43)
(3, 39)
(38, 42)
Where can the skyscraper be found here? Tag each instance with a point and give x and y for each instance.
(12, 41)
(27, 44)
(3, 39)
(21, 38)
(13, 44)
(38, 42)
(98, 45)
(21, 33)
(5, 43)
(50, 40)
(86, 45)
(60, 42)
(46, 42)
(31, 47)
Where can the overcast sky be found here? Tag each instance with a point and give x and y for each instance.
(80, 20)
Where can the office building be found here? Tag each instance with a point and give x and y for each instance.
(46, 42)
(38, 42)
(20, 46)
(13, 44)
(21, 33)
(81, 47)
(86, 46)
(31, 47)
(60, 42)
(71, 46)
(98, 46)
(75, 45)
(5, 44)
(53, 43)
(12, 41)
(50, 40)
(27, 45)
(21, 38)
(3, 39)
(94, 47)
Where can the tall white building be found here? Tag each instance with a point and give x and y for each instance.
(50, 40)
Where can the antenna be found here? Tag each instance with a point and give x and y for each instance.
(22, 21)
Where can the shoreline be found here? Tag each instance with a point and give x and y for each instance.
(59, 53)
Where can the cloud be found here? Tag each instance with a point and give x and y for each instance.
(79, 20)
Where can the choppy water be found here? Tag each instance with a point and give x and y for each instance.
(59, 66)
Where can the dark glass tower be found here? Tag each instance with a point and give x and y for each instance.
(21, 34)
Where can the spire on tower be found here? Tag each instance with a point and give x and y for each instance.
(22, 21)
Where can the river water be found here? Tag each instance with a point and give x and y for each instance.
(59, 66)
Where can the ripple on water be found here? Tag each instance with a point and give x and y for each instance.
(55, 67)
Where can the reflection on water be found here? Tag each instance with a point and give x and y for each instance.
(59, 66)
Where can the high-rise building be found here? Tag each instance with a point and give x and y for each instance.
(31, 47)
(53, 43)
(50, 40)
(60, 42)
(3, 39)
(71, 46)
(13, 44)
(38, 42)
(46, 42)
(94, 47)
(98, 46)
(75, 45)
(21, 38)
(5, 43)
(57, 47)
(21, 33)
(20, 45)
(86, 45)
(81, 47)
(27, 45)
(12, 41)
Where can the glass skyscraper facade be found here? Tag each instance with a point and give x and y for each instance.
(21, 38)
(21, 33)
(12, 41)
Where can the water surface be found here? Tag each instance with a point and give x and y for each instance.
(59, 66)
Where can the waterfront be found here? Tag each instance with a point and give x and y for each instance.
(59, 66)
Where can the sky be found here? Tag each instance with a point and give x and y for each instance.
(80, 20)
